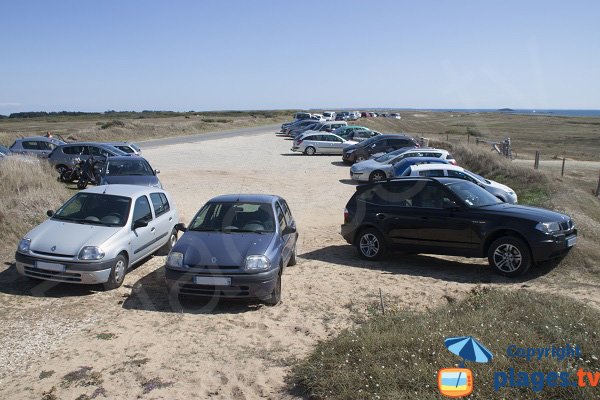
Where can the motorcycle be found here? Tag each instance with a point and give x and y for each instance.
(90, 172)
(69, 175)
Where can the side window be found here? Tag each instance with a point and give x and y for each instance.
(461, 175)
(431, 196)
(165, 201)
(432, 172)
(157, 204)
(30, 145)
(280, 218)
(286, 211)
(46, 145)
(97, 151)
(142, 209)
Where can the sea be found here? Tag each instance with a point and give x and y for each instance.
(559, 113)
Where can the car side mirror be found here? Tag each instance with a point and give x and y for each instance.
(450, 205)
(157, 171)
(288, 230)
(181, 227)
(140, 223)
(49, 213)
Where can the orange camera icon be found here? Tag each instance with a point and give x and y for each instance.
(455, 382)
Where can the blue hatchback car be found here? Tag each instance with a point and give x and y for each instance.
(402, 166)
(235, 247)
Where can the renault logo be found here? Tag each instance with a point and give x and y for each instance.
(213, 260)
(53, 248)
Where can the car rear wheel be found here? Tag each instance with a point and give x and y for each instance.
(292, 261)
(309, 151)
(276, 293)
(377, 176)
(371, 244)
(117, 273)
(509, 256)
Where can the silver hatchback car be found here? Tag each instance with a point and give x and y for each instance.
(320, 143)
(98, 234)
(40, 146)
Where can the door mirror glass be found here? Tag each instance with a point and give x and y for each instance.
(288, 230)
(181, 227)
(157, 171)
(49, 213)
(140, 223)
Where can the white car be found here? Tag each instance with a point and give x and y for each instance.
(394, 115)
(98, 234)
(499, 190)
(311, 143)
(329, 115)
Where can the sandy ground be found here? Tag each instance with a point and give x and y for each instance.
(61, 341)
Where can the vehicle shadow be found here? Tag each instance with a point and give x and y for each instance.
(339, 164)
(150, 293)
(425, 266)
(349, 182)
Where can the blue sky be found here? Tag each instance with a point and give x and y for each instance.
(213, 55)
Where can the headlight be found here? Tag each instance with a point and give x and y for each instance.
(175, 260)
(548, 227)
(24, 245)
(257, 263)
(91, 253)
(350, 151)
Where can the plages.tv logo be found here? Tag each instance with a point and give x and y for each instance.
(458, 382)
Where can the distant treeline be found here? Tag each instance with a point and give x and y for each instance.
(144, 114)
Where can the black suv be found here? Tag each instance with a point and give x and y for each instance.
(377, 144)
(454, 217)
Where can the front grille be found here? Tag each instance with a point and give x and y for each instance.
(54, 275)
(216, 291)
(214, 267)
(566, 226)
(42, 253)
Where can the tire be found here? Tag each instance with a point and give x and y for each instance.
(377, 176)
(371, 244)
(61, 169)
(310, 151)
(82, 183)
(276, 293)
(117, 273)
(166, 248)
(292, 261)
(509, 256)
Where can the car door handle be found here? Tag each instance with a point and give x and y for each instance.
(153, 229)
(170, 219)
(380, 216)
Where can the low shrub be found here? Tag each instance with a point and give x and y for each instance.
(113, 124)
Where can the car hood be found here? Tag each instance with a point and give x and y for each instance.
(67, 238)
(535, 214)
(140, 180)
(367, 165)
(500, 186)
(222, 249)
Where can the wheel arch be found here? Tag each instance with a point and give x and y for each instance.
(365, 227)
(500, 233)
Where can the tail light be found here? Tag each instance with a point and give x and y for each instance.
(346, 215)
(453, 162)
(299, 142)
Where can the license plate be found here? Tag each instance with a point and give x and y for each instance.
(571, 241)
(212, 280)
(50, 266)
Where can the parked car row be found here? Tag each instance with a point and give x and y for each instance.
(236, 246)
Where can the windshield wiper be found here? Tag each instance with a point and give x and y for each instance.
(204, 230)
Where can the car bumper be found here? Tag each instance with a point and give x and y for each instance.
(348, 158)
(347, 231)
(359, 176)
(243, 286)
(89, 273)
(296, 149)
(553, 246)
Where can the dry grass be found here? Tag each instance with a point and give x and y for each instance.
(574, 137)
(29, 188)
(397, 356)
(132, 129)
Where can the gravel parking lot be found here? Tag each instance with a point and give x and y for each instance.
(67, 341)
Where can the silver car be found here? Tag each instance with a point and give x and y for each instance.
(65, 156)
(40, 146)
(381, 167)
(97, 235)
(129, 148)
(320, 143)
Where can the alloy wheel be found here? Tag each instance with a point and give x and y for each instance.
(369, 245)
(507, 258)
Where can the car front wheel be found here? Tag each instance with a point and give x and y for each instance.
(117, 273)
(371, 244)
(377, 176)
(509, 256)
(276, 293)
(309, 151)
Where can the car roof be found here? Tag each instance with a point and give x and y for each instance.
(119, 143)
(42, 138)
(427, 167)
(430, 149)
(126, 158)
(424, 159)
(123, 190)
(251, 198)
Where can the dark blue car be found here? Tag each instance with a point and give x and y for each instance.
(127, 170)
(236, 247)
(402, 166)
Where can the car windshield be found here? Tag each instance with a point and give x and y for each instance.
(231, 217)
(473, 195)
(128, 167)
(386, 157)
(369, 141)
(95, 209)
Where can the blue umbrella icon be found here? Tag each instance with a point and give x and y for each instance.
(469, 349)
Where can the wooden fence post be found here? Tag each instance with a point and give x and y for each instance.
(536, 163)
(562, 171)
(447, 137)
(598, 187)
(468, 138)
